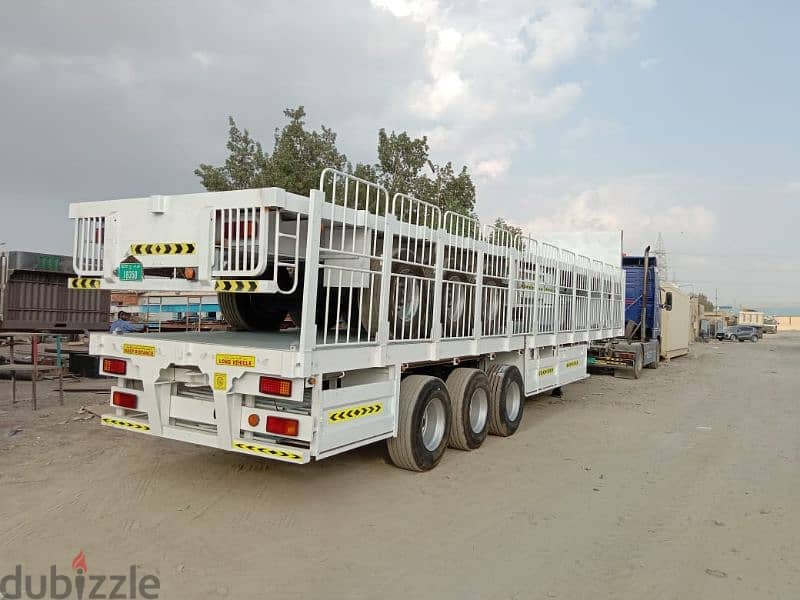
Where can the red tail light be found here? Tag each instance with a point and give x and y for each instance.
(275, 387)
(282, 426)
(115, 366)
(124, 400)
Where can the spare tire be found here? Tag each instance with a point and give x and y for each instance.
(250, 312)
(410, 299)
(261, 312)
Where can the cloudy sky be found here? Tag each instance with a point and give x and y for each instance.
(678, 117)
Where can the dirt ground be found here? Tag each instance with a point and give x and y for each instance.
(684, 484)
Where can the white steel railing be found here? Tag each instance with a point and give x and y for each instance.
(548, 288)
(355, 217)
(88, 245)
(582, 270)
(524, 317)
(241, 237)
(566, 291)
(461, 240)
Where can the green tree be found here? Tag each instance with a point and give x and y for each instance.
(297, 160)
(404, 166)
(299, 156)
(703, 300)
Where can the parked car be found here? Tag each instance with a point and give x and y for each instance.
(739, 333)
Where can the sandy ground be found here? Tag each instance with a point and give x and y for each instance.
(684, 484)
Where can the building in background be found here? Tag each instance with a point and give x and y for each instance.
(751, 316)
(788, 323)
(171, 312)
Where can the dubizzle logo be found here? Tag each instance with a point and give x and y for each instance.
(81, 585)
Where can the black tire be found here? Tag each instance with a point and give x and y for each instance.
(638, 365)
(754, 339)
(655, 365)
(417, 321)
(502, 402)
(408, 450)
(734, 338)
(250, 312)
(458, 306)
(492, 310)
(262, 312)
(469, 398)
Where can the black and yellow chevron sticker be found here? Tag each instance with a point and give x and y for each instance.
(236, 285)
(83, 283)
(164, 248)
(255, 449)
(124, 424)
(355, 412)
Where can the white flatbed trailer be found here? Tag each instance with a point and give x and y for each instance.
(420, 328)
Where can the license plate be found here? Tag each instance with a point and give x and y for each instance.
(130, 272)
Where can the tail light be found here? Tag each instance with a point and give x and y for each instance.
(124, 400)
(115, 366)
(275, 387)
(283, 426)
(190, 273)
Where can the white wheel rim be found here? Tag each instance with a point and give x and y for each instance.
(512, 401)
(433, 424)
(456, 303)
(408, 303)
(478, 410)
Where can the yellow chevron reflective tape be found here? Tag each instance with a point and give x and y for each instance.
(138, 350)
(162, 248)
(572, 363)
(83, 283)
(122, 423)
(355, 412)
(266, 450)
(236, 285)
(546, 371)
(236, 360)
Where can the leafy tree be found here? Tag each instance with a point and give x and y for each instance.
(404, 166)
(297, 159)
(703, 300)
(299, 156)
(502, 224)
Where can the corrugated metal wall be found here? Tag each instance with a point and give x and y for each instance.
(41, 300)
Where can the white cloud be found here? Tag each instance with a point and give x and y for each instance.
(491, 71)
(559, 35)
(204, 59)
(641, 206)
(648, 63)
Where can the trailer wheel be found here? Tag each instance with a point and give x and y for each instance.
(261, 312)
(410, 298)
(469, 394)
(492, 305)
(423, 423)
(506, 400)
(458, 304)
(250, 312)
(638, 363)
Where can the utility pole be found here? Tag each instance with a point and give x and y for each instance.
(661, 255)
